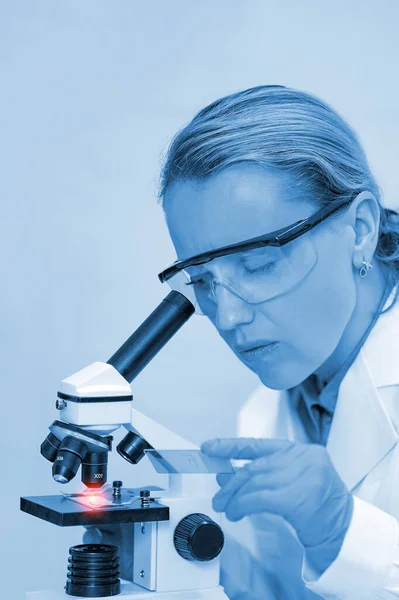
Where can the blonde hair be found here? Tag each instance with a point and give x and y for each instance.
(283, 128)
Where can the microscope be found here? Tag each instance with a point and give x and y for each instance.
(177, 537)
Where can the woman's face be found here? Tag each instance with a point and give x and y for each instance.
(290, 335)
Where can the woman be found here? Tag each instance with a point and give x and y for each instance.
(281, 237)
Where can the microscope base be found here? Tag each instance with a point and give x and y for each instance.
(130, 591)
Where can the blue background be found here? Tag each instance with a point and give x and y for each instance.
(91, 93)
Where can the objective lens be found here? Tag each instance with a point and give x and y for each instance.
(94, 469)
(60, 479)
(132, 447)
(49, 447)
(69, 458)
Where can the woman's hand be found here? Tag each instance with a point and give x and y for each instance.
(296, 481)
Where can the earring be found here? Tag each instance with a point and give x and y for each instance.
(363, 272)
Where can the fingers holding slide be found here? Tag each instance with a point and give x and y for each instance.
(279, 501)
(271, 472)
(230, 487)
(223, 478)
(250, 482)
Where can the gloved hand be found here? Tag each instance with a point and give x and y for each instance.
(293, 480)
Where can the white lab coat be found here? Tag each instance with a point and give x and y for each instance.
(262, 554)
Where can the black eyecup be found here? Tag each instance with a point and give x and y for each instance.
(181, 303)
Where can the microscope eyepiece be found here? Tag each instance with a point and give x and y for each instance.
(152, 335)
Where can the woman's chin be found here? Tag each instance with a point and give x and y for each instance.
(277, 372)
(280, 378)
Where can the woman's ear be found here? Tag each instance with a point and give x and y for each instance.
(366, 224)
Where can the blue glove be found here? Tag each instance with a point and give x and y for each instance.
(296, 481)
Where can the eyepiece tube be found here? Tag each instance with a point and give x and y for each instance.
(152, 335)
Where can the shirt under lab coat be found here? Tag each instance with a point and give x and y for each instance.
(262, 558)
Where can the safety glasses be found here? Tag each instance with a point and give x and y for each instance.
(254, 270)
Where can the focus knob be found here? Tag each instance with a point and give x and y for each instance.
(197, 537)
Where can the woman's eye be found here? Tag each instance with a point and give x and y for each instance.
(261, 268)
(198, 281)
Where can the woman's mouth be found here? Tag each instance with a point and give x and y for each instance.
(259, 351)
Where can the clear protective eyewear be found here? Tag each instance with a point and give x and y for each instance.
(255, 270)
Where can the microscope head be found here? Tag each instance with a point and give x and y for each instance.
(92, 403)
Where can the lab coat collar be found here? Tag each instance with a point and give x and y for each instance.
(361, 432)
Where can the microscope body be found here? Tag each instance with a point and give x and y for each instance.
(177, 535)
(98, 400)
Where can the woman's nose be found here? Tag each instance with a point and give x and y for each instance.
(230, 309)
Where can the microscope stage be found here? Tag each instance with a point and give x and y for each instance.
(64, 512)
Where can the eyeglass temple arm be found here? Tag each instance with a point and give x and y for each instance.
(273, 239)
